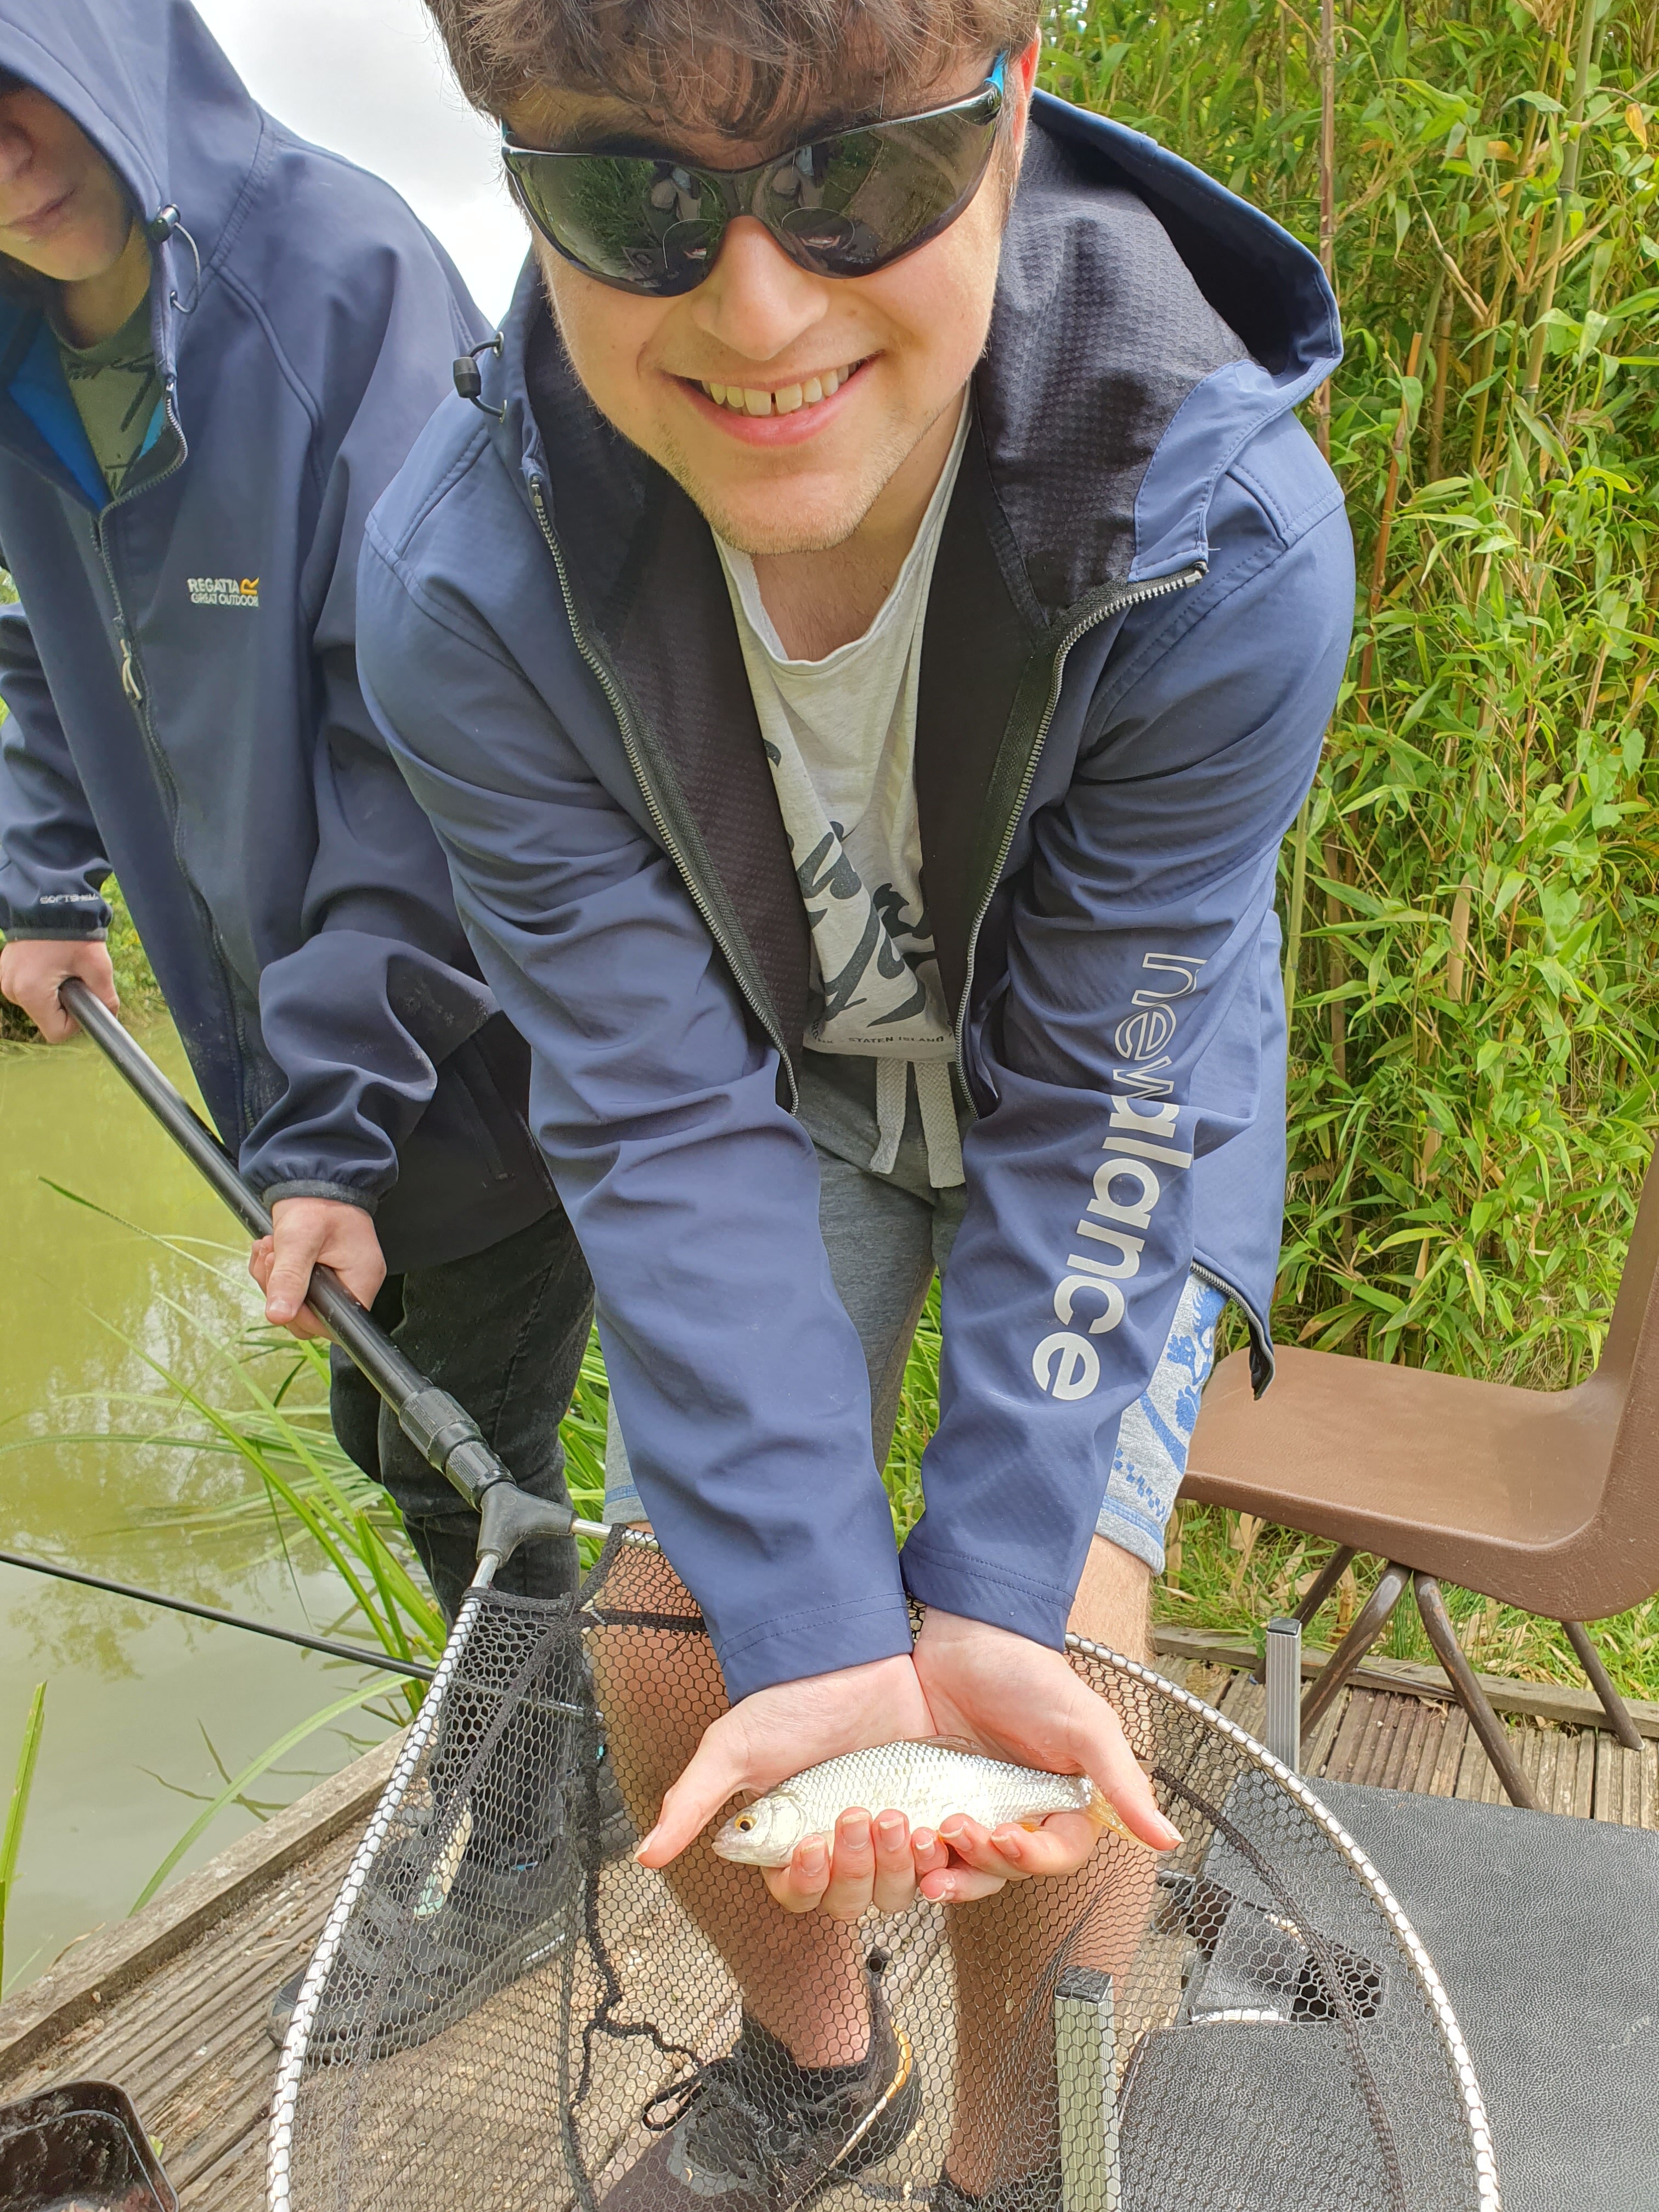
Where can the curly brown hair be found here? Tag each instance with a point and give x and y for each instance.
(748, 68)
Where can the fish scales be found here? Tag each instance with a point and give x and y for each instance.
(927, 1782)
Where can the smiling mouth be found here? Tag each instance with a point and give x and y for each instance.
(42, 217)
(787, 400)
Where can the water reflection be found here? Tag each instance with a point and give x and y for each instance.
(134, 1694)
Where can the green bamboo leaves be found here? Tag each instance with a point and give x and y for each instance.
(1472, 895)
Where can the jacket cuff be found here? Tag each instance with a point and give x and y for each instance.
(93, 933)
(793, 1645)
(980, 1590)
(340, 1194)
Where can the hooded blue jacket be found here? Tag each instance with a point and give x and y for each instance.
(183, 706)
(1136, 629)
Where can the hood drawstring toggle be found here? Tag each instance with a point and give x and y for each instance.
(469, 379)
(160, 227)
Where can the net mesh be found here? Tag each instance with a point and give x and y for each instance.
(506, 2011)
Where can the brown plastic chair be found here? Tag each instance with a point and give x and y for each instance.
(1545, 1500)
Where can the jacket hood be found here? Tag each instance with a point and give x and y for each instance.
(1147, 324)
(151, 87)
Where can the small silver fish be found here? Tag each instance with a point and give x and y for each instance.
(927, 1781)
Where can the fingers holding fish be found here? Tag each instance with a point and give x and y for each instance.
(798, 1885)
(863, 1862)
(898, 1867)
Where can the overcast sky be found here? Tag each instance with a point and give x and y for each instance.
(368, 78)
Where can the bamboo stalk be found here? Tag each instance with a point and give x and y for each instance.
(1442, 330)
(1566, 185)
(1403, 431)
(1321, 401)
(1337, 966)
(1457, 958)
(1298, 910)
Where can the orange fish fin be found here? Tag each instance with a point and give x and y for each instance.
(1104, 1815)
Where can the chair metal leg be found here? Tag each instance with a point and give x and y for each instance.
(1369, 1624)
(1612, 1704)
(1330, 1575)
(1494, 1737)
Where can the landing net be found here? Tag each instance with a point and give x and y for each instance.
(507, 2014)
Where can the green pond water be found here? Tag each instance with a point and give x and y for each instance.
(139, 1701)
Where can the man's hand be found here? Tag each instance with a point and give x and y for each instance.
(1021, 1701)
(1010, 1697)
(766, 1738)
(308, 1231)
(31, 967)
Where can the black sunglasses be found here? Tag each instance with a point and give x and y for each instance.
(840, 207)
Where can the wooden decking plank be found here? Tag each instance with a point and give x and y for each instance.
(1476, 1781)
(1389, 1737)
(1618, 1783)
(1583, 1795)
(1414, 1723)
(187, 2000)
(1449, 1759)
(1340, 1760)
(1245, 1703)
(1316, 1744)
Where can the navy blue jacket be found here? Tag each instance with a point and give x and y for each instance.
(184, 705)
(1136, 629)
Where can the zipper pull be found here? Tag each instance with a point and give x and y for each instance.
(129, 683)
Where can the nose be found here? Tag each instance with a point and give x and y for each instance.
(16, 150)
(756, 300)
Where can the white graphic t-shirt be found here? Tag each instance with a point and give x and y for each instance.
(841, 736)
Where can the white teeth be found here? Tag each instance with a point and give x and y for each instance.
(743, 399)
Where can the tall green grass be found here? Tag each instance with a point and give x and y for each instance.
(17, 1809)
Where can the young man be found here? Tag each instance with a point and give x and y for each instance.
(861, 681)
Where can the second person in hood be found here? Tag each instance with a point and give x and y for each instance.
(217, 344)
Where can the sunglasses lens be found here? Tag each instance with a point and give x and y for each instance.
(855, 203)
(647, 226)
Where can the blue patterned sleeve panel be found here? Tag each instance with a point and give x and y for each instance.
(1155, 1433)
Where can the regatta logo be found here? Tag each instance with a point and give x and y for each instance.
(1127, 1186)
(223, 591)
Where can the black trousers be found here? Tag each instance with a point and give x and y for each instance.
(504, 1332)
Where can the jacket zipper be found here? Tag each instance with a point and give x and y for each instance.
(133, 685)
(1131, 595)
(753, 989)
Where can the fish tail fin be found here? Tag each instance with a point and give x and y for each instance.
(1104, 1815)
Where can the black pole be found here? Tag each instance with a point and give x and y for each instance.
(440, 1428)
(330, 1646)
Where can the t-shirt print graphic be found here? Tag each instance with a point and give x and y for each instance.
(875, 970)
(116, 391)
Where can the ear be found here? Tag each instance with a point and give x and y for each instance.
(1020, 79)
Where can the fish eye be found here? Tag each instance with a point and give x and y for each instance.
(743, 1823)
